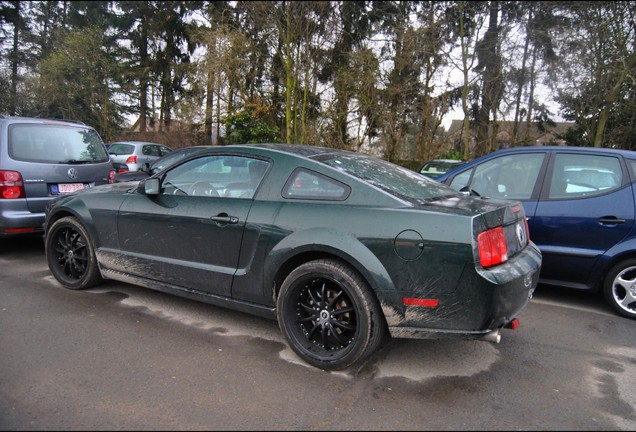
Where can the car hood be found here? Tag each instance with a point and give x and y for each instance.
(113, 188)
(130, 176)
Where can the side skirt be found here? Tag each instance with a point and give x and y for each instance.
(226, 302)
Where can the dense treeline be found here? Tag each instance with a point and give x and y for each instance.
(378, 75)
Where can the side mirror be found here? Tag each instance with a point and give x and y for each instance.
(470, 192)
(150, 186)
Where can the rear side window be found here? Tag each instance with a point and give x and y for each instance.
(49, 143)
(151, 150)
(306, 184)
(121, 149)
(584, 175)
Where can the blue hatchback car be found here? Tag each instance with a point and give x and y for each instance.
(580, 205)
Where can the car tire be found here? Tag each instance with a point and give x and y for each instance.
(329, 316)
(620, 288)
(71, 255)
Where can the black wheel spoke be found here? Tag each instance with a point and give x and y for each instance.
(310, 335)
(324, 333)
(341, 311)
(343, 326)
(341, 341)
(308, 308)
(334, 300)
(323, 293)
(307, 319)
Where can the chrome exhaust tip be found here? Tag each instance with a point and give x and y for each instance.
(494, 336)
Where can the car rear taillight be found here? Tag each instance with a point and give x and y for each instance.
(11, 186)
(492, 247)
(111, 176)
(131, 159)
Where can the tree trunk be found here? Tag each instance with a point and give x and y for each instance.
(14, 58)
(490, 76)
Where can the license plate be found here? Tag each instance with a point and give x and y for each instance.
(70, 187)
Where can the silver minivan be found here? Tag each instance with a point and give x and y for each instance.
(41, 159)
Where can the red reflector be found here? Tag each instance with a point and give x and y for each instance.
(492, 247)
(19, 230)
(514, 324)
(409, 301)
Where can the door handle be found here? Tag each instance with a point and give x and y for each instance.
(610, 220)
(224, 218)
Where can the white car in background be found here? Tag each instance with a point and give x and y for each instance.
(135, 154)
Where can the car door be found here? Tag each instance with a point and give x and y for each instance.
(190, 234)
(587, 208)
(509, 176)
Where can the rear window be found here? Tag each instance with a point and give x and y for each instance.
(49, 143)
(120, 149)
(394, 179)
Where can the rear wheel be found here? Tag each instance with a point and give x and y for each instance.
(328, 315)
(71, 255)
(620, 288)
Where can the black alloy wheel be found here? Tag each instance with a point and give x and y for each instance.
(329, 316)
(71, 255)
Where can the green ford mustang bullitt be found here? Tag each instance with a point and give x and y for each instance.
(344, 250)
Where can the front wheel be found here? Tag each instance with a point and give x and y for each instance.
(620, 288)
(71, 255)
(328, 315)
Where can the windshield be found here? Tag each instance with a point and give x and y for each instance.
(50, 143)
(438, 167)
(394, 179)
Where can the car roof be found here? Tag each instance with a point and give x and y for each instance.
(444, 160)
(292, 149)
(526, 149)
(537, 149)
(37, 120)
(135, 142)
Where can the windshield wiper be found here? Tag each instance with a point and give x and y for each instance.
(76, 161)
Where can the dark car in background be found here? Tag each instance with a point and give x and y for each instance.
(153, 168)
(134, 154)
(580, 207)
(436, 167)
(41, 159)
(343, 249)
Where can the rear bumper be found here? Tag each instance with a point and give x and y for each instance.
(15, 220)
(484, 301)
